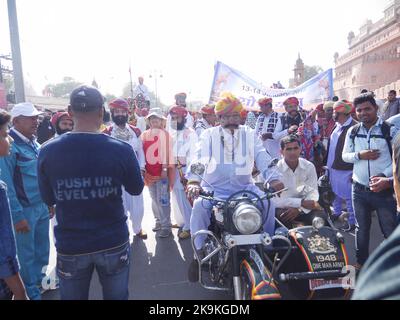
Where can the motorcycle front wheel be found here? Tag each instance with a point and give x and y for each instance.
(246, 285)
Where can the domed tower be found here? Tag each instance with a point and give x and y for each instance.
(299, 71)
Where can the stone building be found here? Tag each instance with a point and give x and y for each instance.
(299, 74)
(373, 59)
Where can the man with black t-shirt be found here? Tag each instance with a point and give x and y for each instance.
(83, 172)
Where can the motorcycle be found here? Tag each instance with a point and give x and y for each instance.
(233, 253)
(238, 256)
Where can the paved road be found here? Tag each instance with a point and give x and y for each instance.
(159, 266)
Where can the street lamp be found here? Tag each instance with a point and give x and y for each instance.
(156, 74)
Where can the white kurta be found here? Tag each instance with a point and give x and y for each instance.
(229, 161)
(141, 89)
(189, 122)
(133, 205)
(140, 123)
(184, 144)
(271, 145)
(201, 125)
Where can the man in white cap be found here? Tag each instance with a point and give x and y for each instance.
(30, 215)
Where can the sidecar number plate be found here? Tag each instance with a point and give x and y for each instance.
(321, 284)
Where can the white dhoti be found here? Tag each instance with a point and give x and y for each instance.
(180, 204)
(134, 210)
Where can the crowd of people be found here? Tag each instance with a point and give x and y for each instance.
(83, 173)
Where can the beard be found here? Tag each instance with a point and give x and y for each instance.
(231, 126)
(62, 131)
(119, 120)
(178, 125)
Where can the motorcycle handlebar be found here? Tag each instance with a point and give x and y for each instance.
(207, 194)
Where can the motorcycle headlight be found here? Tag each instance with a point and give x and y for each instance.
(247, 218)
(318, 223)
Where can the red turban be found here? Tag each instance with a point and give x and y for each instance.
(208, 109)
(291, 102)
(178, 110)
(119, 103)
(320, 107)
(57, 117)
(263, 102)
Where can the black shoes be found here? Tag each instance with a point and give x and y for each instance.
(193, 271)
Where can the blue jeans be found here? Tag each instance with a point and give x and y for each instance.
(364, 202)
(162, 212)
(8, 252)
(112, 266)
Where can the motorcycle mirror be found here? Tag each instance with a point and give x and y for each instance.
(197, 168)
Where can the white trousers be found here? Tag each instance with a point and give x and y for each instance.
(180, 204)
(134, 210)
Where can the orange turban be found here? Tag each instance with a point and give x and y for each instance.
(228, 104)
(343, 106)
(208, 109)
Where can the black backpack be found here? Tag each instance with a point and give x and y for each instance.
(385, 128)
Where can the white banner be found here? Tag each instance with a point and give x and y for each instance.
(310, 93)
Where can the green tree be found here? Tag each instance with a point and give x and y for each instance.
(9, 85)
(110, 97)
(64, 88)
(311, 71)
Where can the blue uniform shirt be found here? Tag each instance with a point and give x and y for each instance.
(19, 172)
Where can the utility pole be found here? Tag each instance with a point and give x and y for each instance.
(156, 74)
(16, 52)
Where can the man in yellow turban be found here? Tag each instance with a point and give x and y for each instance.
(228, 152)
(341, 172)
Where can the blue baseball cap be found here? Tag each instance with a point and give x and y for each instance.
(86, 99)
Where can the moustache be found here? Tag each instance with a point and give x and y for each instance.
(231, 126)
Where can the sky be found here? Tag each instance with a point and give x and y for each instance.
(180, 39)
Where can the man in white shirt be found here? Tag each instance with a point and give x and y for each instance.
(180, 100)
(208, 119)
(141, 89)
(228, 152)
(265, 127)
(299, 204)
(120, 129)
(184, 144)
